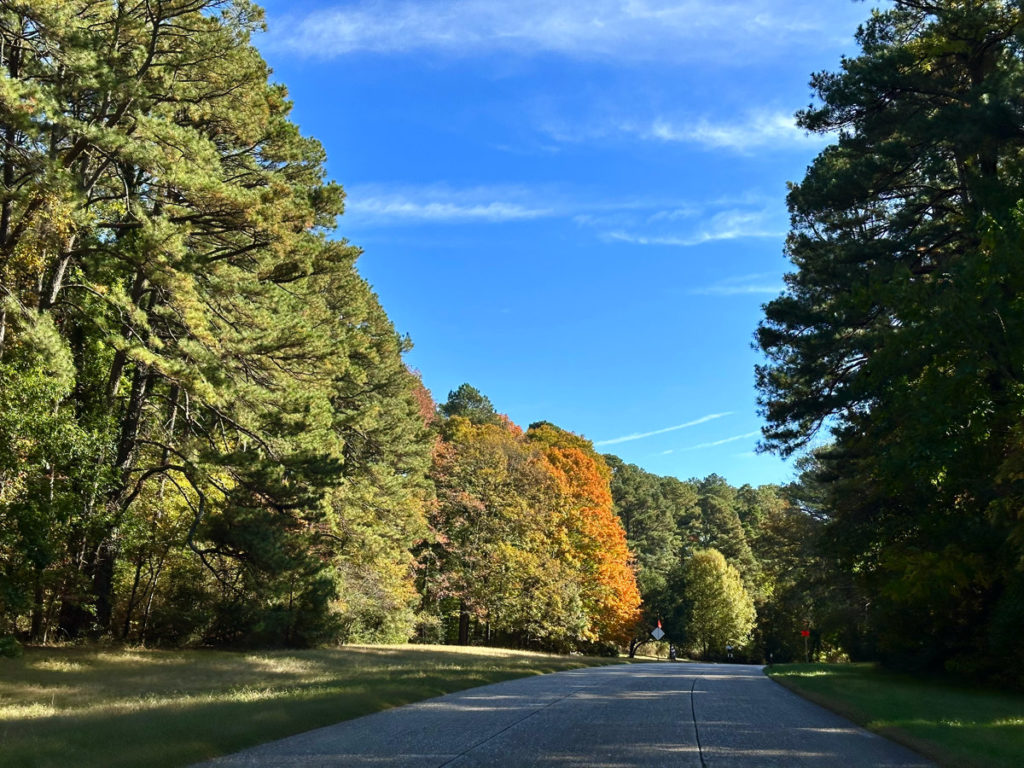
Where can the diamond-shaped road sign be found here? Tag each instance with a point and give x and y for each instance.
(658, 633)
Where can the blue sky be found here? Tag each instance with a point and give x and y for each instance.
(579, 208)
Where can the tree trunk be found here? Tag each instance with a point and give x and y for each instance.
(56, 281)
(38, 608)
(149, 601)
(10, 138)
(7, 207)
(103, 585)
(73, 618)
(131, 599)
(463, 624)
(107, 550)
(635, 644)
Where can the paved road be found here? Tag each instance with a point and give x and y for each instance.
(657, 715)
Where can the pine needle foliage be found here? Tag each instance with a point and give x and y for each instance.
(206, 404)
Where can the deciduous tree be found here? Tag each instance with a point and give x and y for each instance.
(719, 611)
(601, 552)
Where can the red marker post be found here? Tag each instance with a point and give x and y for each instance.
(805, 633)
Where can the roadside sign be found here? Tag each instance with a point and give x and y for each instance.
(658, 632)
(805, 633)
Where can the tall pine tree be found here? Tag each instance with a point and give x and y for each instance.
(217, 364)
(900, 328)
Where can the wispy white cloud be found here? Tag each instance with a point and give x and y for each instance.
(625, 29)
(731, 224)
(763, 283)
(379, 204)
(733, 439)
(635, 239)
(641, 435)
(742, 134)
(676, 214)
(633, 220)
(755, 130)
(408, 209)
(677, 223)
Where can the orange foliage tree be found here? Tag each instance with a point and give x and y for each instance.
(495, 571)
(526, 548)
(597, 539)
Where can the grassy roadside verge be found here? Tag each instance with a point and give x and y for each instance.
(952, 724)
(83, 707)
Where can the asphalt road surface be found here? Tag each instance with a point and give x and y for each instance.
(657, 715)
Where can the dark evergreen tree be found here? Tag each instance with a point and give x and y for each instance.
(721, 529)
(648, 520)
(900, 327)
(468, 402)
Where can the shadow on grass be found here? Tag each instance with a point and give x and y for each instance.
(97, 708)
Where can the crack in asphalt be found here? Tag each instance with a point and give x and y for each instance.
(508, 727)
(693, 713)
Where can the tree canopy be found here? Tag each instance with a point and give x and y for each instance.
(527, 547)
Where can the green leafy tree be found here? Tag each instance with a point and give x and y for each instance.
(801, 589)
(719, 611)
(41, 448)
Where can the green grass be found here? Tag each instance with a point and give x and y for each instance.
(83, 707)
(955, 725)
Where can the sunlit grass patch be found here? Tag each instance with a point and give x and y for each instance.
(281, 665)
(84, 707)
(953, 724)
(58, 665)
(26, 711)
(1009, 722)
(819, 670)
